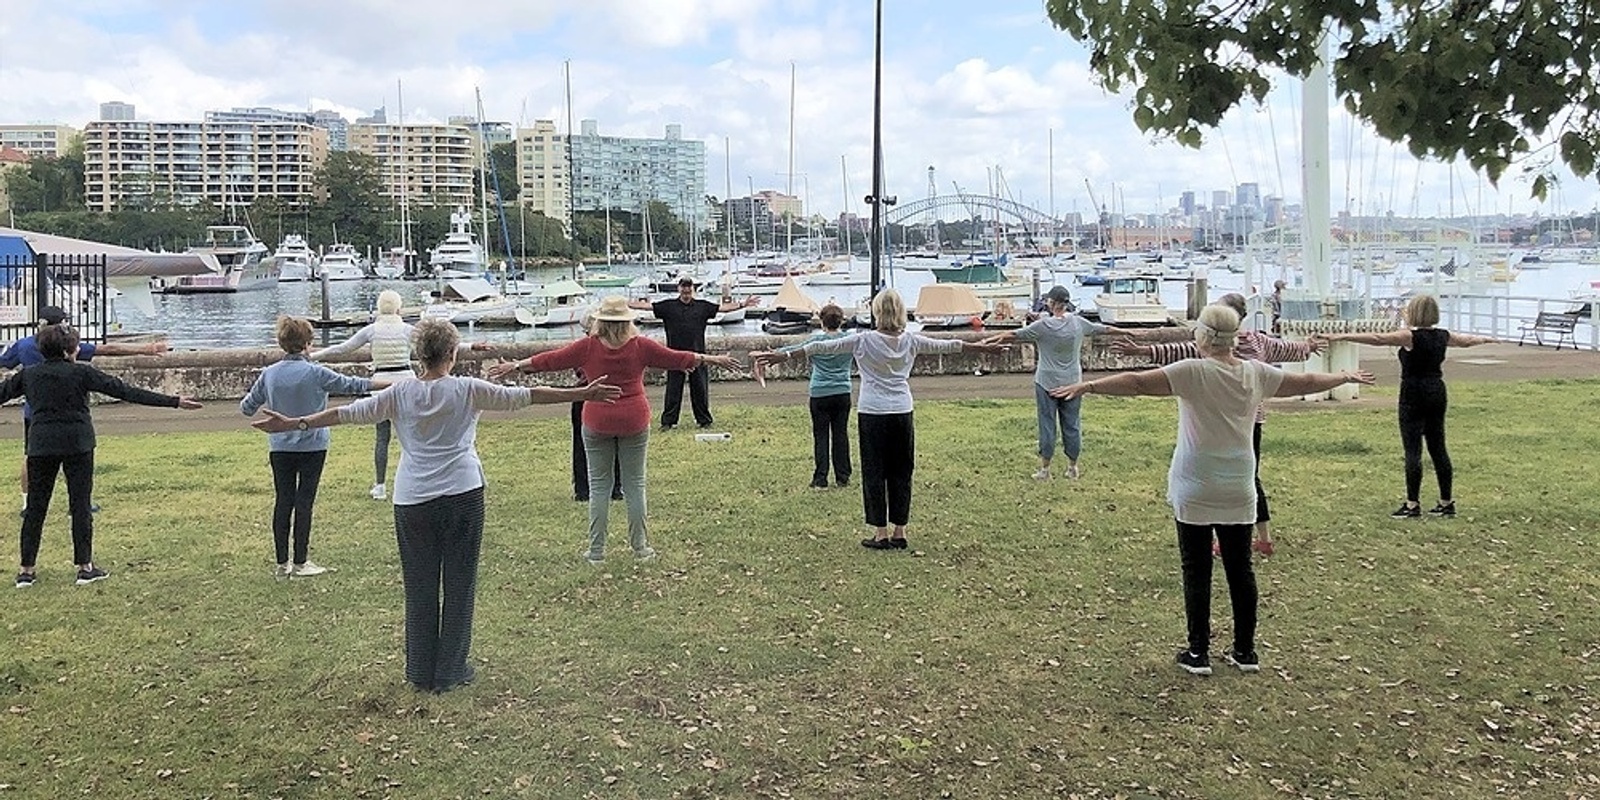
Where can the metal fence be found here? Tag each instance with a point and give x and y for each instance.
(76, 283)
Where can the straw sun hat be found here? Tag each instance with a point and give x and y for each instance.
(614, 309)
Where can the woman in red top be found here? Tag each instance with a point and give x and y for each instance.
(619, 430)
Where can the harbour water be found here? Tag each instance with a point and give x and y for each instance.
(246, 319)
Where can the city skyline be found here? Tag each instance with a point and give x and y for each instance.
(974, 91)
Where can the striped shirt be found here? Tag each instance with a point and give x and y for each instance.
(1250, 346)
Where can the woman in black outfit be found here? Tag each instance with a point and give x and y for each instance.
(61, 438)
(1423, 399)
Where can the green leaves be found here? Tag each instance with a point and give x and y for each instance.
(1493, 84)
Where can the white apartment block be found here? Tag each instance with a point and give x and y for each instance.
(543, 178)
(428, 165)
(623, 173)
(38, 141)
(225, 163)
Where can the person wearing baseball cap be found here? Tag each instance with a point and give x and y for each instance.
(685, 317)
(1059, 338)
(25, 353)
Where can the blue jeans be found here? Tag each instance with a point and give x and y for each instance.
(628, 454)
(1051, 411)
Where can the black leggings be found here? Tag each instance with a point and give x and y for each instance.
(830, 431)
(580, 460)
(1194, 551)
(888, 457)
(79, 469)
(1262, 513)
(295, 477)
(1422, 407)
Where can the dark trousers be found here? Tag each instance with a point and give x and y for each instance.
(380, 450)
(1194, 552)
(1422, 408)
(699, 396)
(888, 457)
(439, 545)
(79, 469)
(830, 433)
(1262, 513)
(295, 477)
(580, 460)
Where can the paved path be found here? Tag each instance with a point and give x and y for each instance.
(1497, 362)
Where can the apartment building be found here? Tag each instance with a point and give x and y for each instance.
(543, 178)
(429, 165)
(135, 163)
(38, 141)
(333, 122)
(625, 173)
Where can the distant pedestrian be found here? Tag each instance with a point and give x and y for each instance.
(884, 356)
(1058, 337)
(390, 339)
(1252, 345)
(62, 439)
(1210, 483)
(1423, 397)
(1277, 303)
(829, 392)
(25, 352)
(296, 387)
(685, 319)
(617, 354)
(438, 492)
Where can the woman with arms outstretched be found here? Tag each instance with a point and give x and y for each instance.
(1211, 482)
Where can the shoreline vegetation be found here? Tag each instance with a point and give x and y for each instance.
(1021, 649)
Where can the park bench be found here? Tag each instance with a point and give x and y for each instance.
(1550, 323)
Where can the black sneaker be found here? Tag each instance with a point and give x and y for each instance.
(90, 575)
(1245, 660)
(845, 481)
(1444, 509)
(581, 498)
(615, 496)
(1406, 511)
(878, 544)
(819, 483)
(1194, 663)
(899, 543)
(665, 428)
(703, 425)
(24, 579)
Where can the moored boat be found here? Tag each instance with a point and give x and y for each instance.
(242, 265)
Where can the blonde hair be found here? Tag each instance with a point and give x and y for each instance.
(889, 312)
(294, 334)
(1216, 329)
(434, 342)
(389, 302)
(614, 332)
(1422, 311)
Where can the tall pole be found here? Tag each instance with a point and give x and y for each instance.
(875, 281)
(572, 226)
(727, 200)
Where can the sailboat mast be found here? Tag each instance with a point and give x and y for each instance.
(788, 225)
(400, 166)
(876, 198)
(844, 215)
(727, 177)
(483, 178)
(572, 227)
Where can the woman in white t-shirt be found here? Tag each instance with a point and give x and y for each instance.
(438, 492)
(1211, 482)
(884, 357)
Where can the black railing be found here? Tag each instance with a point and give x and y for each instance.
(76, 283)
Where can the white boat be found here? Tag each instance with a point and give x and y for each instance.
(392, 263)
(1131, 299)
(942, 306)
(459, 255)
(555, 304)
(733, 317)
(341, 263)
(242, 265)
(296, 260)
(472, 301)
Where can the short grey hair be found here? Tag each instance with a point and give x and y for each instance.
(434, 342)
(1217, 328)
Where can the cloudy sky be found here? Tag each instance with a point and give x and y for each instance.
(973, 89)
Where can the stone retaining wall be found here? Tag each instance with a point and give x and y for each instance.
(228, 374)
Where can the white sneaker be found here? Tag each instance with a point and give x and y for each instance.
(308, 569)
(378, 491)
(593, 558)
(1072, 472)
(1043, 474)
(645, 554)
(283, 570)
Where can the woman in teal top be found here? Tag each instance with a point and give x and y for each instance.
(830, 402)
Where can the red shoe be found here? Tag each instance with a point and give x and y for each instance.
(1216, 548)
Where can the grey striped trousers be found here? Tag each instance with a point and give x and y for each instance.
(439, 545)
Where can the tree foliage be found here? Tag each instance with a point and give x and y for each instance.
(1496, 84)
(352, 200)
(47, 184)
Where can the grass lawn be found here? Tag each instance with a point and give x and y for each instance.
(1022, 648)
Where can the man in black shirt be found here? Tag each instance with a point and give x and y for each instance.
(685, 318)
